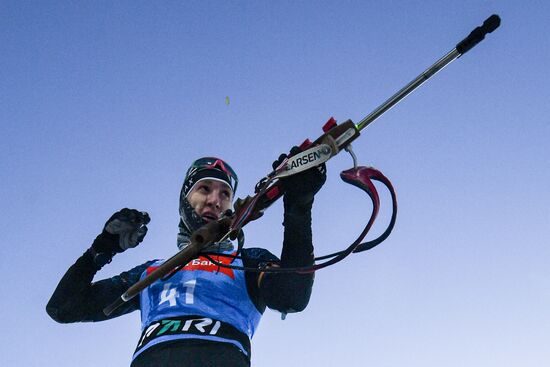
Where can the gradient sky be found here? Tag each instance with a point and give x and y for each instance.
(103, 105)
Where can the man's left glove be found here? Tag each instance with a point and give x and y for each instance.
(300, 188)
(125, 229)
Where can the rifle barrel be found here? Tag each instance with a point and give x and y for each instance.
(476, 36)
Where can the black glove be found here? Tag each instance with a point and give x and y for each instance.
(125, 229)
(300, 188)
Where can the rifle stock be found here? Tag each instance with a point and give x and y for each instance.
(201, 238)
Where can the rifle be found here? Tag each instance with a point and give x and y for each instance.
(336, 137)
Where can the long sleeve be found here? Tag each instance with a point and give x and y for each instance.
(77, 298)
(290, 292)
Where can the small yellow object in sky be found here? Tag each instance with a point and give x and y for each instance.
(227, 100)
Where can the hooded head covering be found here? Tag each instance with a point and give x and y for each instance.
(206, 168)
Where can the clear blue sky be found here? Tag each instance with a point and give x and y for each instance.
(104, 104)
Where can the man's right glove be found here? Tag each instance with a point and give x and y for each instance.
(125, 229)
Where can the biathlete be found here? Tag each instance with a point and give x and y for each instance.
(203, 314)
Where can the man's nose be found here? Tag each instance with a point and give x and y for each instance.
(213, 199)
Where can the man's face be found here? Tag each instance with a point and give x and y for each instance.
(210, 198)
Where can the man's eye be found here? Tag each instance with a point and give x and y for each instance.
(204, 188)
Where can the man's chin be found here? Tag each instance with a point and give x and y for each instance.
(208, 219)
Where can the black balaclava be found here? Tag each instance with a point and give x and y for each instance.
(210, 168)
